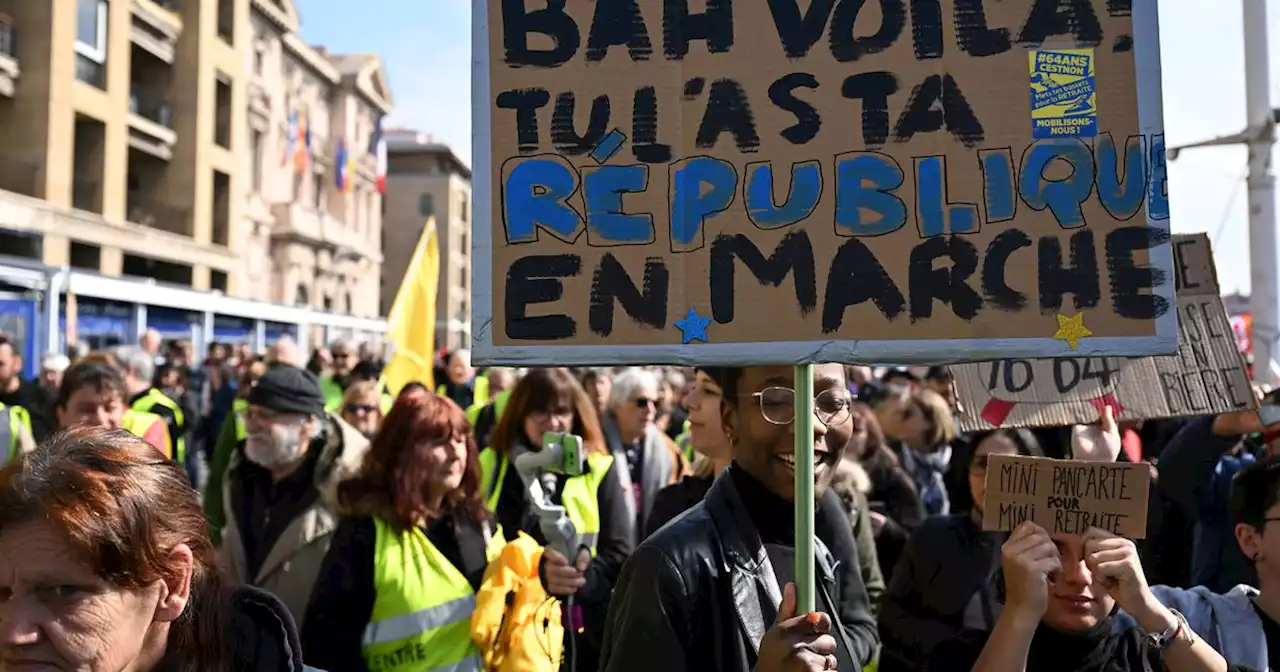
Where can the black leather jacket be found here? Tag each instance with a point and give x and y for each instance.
(690, 597)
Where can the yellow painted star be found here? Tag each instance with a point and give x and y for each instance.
(1071, 330)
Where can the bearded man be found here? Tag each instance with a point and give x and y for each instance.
(279, 493)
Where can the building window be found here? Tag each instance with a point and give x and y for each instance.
(91, 42)
(227, 21)
(255, 160)
(91, 30)
(222, 111)
(462, 209)
(317, 191)
(426, 207)
(462, 278)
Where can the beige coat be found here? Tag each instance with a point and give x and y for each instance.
(293, 565)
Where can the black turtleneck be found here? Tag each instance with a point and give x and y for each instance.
(774, 519)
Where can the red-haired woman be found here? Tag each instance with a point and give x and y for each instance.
(106, 564)
(398, 586)
(551, 400)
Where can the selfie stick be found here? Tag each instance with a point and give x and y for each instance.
(804, 500)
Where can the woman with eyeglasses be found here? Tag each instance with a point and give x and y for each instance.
(713, 589)
(551, 400)
(362, 407)
(943, 581)
(652, 460)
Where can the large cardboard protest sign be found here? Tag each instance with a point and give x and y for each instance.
(1066, 496)
(777, 181)
(1207, 376)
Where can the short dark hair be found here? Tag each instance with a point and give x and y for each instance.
(1255, 490)
(98, 375)
(727, 378)
(6, 340)
(941, 374)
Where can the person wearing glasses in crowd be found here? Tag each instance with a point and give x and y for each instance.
(944, 582)
(334, 385)
(551, 400)
(651, 460)
(714, 588)
(362, 407)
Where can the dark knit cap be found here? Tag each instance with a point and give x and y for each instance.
(288, 389)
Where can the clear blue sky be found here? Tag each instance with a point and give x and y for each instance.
(425, 45)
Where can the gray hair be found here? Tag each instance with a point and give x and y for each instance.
(141, 363)
(55, 362)
(629, 381)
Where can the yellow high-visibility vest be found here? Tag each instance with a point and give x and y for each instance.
(148, 403)
(421, 616)
(579, 497)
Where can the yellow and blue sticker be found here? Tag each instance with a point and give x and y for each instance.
(1064, 93)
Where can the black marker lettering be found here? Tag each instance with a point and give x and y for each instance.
(1080, 279)
(647, 306)
(793, 256)
(551, 21)
(948, 285)
(537, 279)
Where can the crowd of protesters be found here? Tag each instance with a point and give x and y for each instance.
(360, 531)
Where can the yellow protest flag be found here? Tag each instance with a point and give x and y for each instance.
(411, 326)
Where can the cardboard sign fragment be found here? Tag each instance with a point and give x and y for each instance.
(746, 182)
(1066, 496)
(1207, 376)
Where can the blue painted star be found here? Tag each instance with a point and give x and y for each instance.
(693, 327)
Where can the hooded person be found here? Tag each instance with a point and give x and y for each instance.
(280, 491)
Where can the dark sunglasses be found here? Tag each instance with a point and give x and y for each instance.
(645, 402)
(980, 462)
(356, 409)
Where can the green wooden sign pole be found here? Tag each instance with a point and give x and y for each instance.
(804, 498)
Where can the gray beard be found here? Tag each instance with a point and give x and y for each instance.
(271, 454)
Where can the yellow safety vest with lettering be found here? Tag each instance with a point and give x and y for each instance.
(422, 613)
(137, 423)
(155, 398)
(579, 497)
(13, 419)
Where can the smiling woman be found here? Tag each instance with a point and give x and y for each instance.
(674, 584)
(106, 564)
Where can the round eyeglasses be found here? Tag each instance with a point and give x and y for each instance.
(778, 405)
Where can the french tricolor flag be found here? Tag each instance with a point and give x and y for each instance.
(378, 147)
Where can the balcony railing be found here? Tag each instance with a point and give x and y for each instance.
(150, 105)
(19, 176)
(158, 214)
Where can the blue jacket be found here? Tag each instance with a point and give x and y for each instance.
(1227, 622)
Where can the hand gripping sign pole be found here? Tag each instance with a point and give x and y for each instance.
(804, 499)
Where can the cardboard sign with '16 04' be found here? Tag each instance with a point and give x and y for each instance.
(1207, 376)
(1066, 496)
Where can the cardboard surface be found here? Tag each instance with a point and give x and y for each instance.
(787, 182)
(1066, 496)
(1208, 375)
